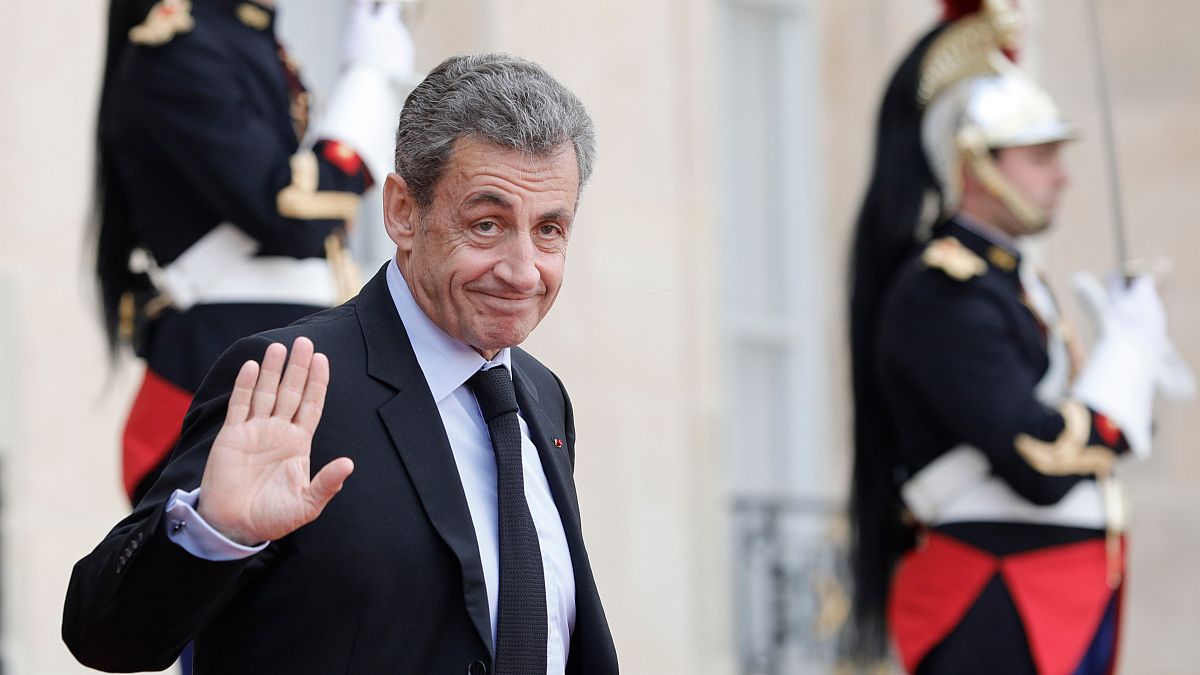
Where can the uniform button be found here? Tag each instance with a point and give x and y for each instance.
(477, 668)
(139, 536)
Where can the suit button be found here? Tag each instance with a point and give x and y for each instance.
(477, 668)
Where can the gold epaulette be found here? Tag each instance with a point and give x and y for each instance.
(253, 16)
(950, 256)
(167, 18)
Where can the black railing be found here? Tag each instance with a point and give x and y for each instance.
(789, 584)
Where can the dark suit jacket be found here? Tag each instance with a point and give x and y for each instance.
(387, 580)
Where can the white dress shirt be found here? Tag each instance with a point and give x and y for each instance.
(447, 364)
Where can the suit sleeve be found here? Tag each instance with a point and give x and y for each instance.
(184, 102)
(138, 598)
(956, 353)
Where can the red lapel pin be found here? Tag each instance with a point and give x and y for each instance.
(558, 442)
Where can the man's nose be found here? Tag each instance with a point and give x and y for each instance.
(517, 266)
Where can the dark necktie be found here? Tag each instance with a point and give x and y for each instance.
(521, 616)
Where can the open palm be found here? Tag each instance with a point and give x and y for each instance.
(256, 484)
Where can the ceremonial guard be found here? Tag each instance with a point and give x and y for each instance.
(219, 213)
(988, 516)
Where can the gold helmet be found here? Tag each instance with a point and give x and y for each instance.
(977, 101)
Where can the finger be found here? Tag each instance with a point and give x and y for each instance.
(292, 385)
(263, 400)
(312, 402)
(327, 483)
(1093, 299)
(1175, 378)
(243, 388)
(389, 11)
(1144, 289)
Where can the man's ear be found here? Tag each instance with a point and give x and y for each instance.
(399, 212)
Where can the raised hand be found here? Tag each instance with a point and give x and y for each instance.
(256, 484)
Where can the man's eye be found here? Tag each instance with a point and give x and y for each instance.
(486, 226)
(550, 230)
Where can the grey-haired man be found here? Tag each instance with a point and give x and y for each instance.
(454, 542)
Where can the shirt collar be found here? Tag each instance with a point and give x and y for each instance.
(988, 231)
(446, 361)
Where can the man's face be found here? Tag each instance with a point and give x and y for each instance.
(485, 259)
(1037, 172)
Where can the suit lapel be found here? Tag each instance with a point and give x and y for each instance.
(415, 427)
(555, 462)
(591, 630)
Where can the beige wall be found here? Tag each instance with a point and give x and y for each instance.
(59, 425)
(635, 334)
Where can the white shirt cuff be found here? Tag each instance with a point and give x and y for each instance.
(186, 528)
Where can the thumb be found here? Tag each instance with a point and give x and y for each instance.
(1175, 379)
(328, 482)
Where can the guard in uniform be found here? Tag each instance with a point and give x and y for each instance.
(219, 214)
(987, 514)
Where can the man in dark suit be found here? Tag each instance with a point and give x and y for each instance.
(454, 542)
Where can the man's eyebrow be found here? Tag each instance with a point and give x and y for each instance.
(497, 199)
(489, 197)
(556, 214)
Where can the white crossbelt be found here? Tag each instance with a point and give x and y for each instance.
(959, 487)
(221, 268)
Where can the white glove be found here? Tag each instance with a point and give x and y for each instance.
(1133, 356)
(376, 76)
(376, 36)
(1138, 308)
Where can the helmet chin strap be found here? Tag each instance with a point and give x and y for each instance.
(974, 151)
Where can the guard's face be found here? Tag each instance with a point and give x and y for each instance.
(485, 261)
(1037, 172)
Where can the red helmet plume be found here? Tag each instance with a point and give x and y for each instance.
(952, 10)
(956, 9)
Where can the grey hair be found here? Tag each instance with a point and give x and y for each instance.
(502, 99)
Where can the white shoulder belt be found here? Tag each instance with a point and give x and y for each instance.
(221, 268)
(959, 486)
